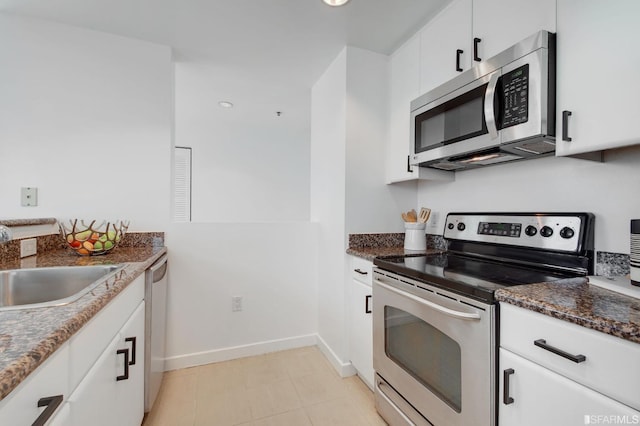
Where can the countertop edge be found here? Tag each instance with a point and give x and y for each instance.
(626, 331)
(16, 372)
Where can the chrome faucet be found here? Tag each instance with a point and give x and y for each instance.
(5, 234)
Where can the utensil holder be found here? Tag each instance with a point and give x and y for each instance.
(414, 236)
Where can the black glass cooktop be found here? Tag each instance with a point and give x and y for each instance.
(478, 278)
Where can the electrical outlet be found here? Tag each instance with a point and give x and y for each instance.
(434, 220)
(29, 197)
(236, 303)
(28, 247)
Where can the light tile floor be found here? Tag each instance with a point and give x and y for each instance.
(289, 388)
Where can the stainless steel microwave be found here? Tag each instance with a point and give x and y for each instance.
(502, 109)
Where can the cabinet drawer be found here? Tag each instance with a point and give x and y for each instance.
(93, 338)
(362, 270)
(20, 407)
(610, 364)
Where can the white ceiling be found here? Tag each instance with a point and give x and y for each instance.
(286, 41)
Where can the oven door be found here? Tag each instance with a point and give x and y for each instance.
(434, 350)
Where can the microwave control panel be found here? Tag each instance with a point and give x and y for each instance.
(515, 93)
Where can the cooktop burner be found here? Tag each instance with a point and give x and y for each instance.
(466, 275)
(489, 251)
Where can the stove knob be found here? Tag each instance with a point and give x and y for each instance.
(450, 226)
(567, 232)
(546, 231)
(531, 230)
(461, 226)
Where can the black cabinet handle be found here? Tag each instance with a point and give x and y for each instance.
(506, 399)
(133, 349)
(565, 126)
(125, 376)
(409, 169)
(458, 54)
(367, 308)
(575, 358)
(52, 403)
(476, 40)
(361, 272)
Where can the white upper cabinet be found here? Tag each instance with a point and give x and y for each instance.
(404, 86)
(445, 45)
(442, 50)
(598, 62)
(500, 24)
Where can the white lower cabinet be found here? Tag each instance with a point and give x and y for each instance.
(531, 395)
(361, 324)
(112, 393)
(49, 383)
(80, 380)
(553, 372)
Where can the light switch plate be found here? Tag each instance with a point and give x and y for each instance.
(29, 197)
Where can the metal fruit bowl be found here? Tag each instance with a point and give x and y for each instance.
(92, 237)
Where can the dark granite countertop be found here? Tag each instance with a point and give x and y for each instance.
(28, 222)
(371, 246)
(370, 253)
(579, 302)
(29, 336)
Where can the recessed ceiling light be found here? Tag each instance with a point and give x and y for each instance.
(225, 104)
(336, 2)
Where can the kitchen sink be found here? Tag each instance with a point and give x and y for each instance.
(42, 287)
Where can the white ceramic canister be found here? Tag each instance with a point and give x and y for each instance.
(414, 236)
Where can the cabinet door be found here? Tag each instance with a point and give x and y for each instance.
(500, 24)
(403, 88)
(440, 39)
(130, 392)
(93, 401)
(597, 75)
(362, 331)
(542, 397)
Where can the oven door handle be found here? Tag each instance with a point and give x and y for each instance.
(489, 114)
(451, 312)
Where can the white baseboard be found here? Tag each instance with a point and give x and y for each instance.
(344, 369)
(226, 354)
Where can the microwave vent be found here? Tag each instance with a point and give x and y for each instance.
(447, 166)
(538, 147)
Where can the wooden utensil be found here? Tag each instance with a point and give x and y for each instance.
(412, 215)
(423, 217)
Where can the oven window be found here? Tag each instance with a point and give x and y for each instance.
(427, 354)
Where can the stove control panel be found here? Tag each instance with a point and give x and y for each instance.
(543, 231)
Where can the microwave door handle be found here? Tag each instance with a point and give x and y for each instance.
(451, 312)
(489, 113)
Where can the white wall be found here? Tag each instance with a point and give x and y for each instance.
(348, 191)
(249, 164)
(86, 118)
(371, 204)
(608, 189)
(328, 138)
(272, 266)
(250, 234)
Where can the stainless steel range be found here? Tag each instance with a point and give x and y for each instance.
(435, 318)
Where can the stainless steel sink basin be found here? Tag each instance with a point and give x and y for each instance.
(40, 287)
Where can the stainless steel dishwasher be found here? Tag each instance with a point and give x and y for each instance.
(155, 329)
